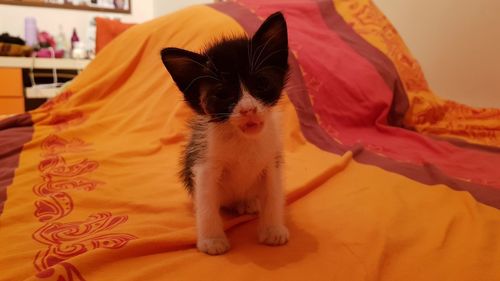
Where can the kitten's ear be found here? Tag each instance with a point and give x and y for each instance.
(272, 37)
(186, 68)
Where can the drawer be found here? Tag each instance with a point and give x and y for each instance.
(11, 105)
(11, 82)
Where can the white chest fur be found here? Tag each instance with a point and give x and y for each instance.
(241, 160)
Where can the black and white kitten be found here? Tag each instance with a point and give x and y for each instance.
(233, 158)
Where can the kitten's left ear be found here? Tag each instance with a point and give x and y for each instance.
(183, 65)
(272, 37)
(187, 69)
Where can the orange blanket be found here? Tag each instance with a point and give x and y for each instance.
(91, 193)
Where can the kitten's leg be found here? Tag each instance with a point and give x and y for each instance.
(211, 237)
(272, 230)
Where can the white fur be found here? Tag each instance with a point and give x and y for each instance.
(238, 169)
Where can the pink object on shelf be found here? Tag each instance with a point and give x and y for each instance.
(46, 40)
(46, 53)
(74, 39)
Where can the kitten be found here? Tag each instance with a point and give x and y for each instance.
(234, 156)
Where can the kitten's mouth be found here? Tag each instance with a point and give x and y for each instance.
(251, 127)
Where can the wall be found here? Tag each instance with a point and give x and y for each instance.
(48, 19)
(456, 41)
(162, 7)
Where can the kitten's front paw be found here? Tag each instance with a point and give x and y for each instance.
(213, 246)
(274, 235)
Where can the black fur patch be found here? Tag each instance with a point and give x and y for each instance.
(211, 81)
(194, 152)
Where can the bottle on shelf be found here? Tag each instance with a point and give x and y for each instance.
(74, 39)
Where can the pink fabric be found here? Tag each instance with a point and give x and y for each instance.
(352, 104)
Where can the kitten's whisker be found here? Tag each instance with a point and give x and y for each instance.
(269, 66)
(249, 48)
(268, 57)
(224, 112)
(213, 65)
(202, 65)
(295, 88)
(221, 115)
(264, 46)
(198, 78)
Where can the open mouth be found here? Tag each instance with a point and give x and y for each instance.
(251, 127)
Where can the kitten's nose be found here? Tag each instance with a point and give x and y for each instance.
(248, 111)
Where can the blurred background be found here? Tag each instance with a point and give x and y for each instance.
(459, 52)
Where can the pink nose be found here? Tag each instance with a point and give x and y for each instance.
(247, 111)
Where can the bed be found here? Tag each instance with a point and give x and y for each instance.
(384, 179)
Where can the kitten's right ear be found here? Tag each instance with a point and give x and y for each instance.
(271, 42)
(187, 69)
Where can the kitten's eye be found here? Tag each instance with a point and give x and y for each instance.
(262, 84)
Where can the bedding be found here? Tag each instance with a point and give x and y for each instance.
(384, 180)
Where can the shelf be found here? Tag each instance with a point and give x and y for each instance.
(42, 63)
(66, 6)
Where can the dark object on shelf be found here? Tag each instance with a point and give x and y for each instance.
(6, 38)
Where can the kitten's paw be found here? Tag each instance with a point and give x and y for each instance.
(249, 207)
(274, 235)
(213, 246)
